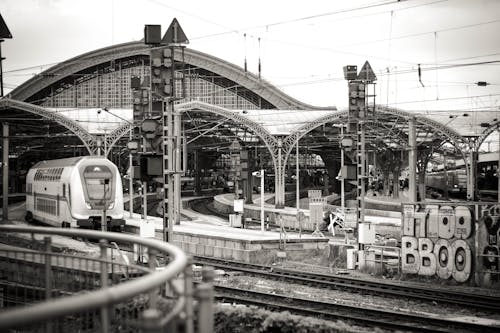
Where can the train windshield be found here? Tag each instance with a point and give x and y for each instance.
(98, 182)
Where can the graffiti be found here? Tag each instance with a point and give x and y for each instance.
(488, 235)
(438, 240)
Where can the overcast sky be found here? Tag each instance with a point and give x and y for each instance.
(303, 44)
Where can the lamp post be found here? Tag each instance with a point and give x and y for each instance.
(130, 162)
(261, 175)
(342, 162)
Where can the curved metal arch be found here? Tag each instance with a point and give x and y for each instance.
(269, 140)
(486, 133)
(454, 137)
(291, 139)
(88, 139)
(116, 135)
(262, 88)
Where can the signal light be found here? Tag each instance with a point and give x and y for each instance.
(133, 146)
(356, 98)
(149, 128)
(351, 72)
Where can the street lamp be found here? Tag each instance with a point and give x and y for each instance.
(261, 175)
(130, 164)
(342, 162)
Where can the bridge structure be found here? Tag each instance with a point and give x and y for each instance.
(223, 103)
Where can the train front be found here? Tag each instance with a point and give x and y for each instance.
(103, 194)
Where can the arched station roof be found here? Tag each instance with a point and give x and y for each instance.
(109, 59)
(278, 113)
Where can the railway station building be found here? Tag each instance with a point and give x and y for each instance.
(84, 106)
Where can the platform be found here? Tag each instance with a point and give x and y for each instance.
(208, 236)
(386, 222)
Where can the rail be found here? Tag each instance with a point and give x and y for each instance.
(91, 292)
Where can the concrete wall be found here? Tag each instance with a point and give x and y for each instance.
(262, 252)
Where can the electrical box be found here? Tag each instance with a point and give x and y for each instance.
(150, 166)
(348, 172)
(135, 82)
(366, 233)
(351, 72)
(152, 34)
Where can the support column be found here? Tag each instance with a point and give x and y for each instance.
(131, 180)
(445, 170)
(279, 179)
(5, 171)
(472, 175)
(297, 178)
(178, 167)
(412, 161)
(197, 172)
(498, 166)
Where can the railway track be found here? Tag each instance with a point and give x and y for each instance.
(361, 286)
(357, 315)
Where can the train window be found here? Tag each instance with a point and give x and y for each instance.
(64, 190)
(98, 182)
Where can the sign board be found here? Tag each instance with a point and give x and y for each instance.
(235, 220)
(4, 30)
(366, 73)
(238, 205)
(174, 34)
(316, 213)
(351, 217)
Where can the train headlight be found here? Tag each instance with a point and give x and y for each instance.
(111, 205)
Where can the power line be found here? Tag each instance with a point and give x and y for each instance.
(422, 33)
(342, 11)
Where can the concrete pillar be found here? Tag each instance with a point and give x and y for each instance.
(5, 171)
(412, 161)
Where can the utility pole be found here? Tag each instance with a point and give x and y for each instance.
(174, 38)
(361, 109)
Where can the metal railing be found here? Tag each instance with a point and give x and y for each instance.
(48, 288)
(384, 256)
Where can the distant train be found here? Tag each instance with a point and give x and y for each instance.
(457, 182)
(487, 178)
(72, 192)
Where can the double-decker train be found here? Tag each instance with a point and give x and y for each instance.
(73, 192)
(487, 178)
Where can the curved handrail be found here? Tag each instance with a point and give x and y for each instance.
(98, 298)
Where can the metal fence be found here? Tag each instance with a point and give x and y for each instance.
(48, 288)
